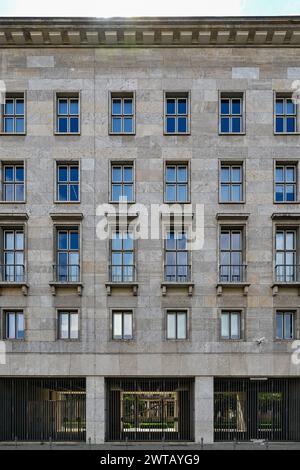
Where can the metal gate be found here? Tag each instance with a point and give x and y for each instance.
(257, 409)
(42, 409)
(149, 410)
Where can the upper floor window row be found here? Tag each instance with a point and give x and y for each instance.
(176, 113)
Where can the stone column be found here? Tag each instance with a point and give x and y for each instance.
(95, 409)
(204, 409)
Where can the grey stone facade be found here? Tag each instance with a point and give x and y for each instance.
(203, 70)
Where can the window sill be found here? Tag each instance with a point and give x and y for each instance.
(13, 202)
(177, 133)
(68, 133)
(67, 202)
(233, 203)
(122, 133)
(122, 285)
(277, 285)
(23, 285)
(69, 285)
(21, 134)
(286, 133)
(284, 203)
(185, 203)
(233, 285)
(189, 286)
(232, 133)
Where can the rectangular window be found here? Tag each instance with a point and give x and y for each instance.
(68, 112)
(122, 325)
(122, 182)
(14, 325)
(68, 325)
(13, 268)
(67, 268)
(285, 325)
(177, 257)
(285, 114)
(231, 183)
(122, 114)
(122, 267)
(231, 325)
(67, 175)
(176, 182)
(232, 268)
(231, 113)
(13, 119)
(177, 113)
(176, 325)
(286, 255)
(13, 182)
(285, 183)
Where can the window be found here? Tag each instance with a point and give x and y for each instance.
(122, 114)
(285, 183)
(14, 114)
(67, 109)
(176, 182)
(286, 255)
(67, 182)
(232, 268)
(122, 182)
(13, 183)
(231, 114)
(231, 182)
(284, 325)
(68, 325)
(285, 115)
(122, 257)
(13, 268)
(67, 268)
(122, 325)
(231, 325)
(177, 113)
(176, 325)
(177, 259)
(14, 325)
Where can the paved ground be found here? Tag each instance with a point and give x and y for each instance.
(154, 447)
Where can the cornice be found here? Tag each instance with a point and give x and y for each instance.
(151, 32)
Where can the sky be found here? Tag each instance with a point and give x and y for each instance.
(102, 8)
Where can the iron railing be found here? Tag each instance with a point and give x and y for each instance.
(12, 273)
(122, 273)
(66, 273)
(257, 409)
(149, 409)
(177, 273)
(232, 273)
(37, 409)
(287, 273)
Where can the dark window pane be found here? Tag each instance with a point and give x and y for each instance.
(290, 193)
(171, 193)
(279, 193)
(19, 192)
(74, 173)
(62, 240)
(128, 192)
(117, 106)
(171, 125)
(291, 125)
(74, 109)
(116, 192)
(279, 174)
(236, 107)
(74, 241)
(62, 173)
(8, 125)
(128, 174)
(128, 109)
(279, 124)
(182, 106)
(279, 106)
(63, 106)
(116, 125)
(74, 124)
(19, 125)
(236, 124)
(9, 173)
(225, 125)
(62, 124)
(225, 106)
(182, 124)
(171, 107)
(117, 174)
(128, 125)
(290, 107)
(9, 107)
(74, 193)
(171, 174)
(19, 107)
(19, 173)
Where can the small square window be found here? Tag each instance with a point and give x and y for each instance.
(67, 182)
(177, 113)
(231, 182)
(122, 182)
(231, 325)
(122, 325)
(68, 325)
(285, 325)
(13, 182)
(285, 114)
(176, 325)
(285, 183)
(13, 116)
(14, 325)
(176, 183)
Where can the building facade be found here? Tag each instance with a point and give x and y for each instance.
(124, 339)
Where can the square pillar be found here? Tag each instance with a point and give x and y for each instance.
(204, 409)
(95, 409)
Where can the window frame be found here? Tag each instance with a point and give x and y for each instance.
(128, 230)
(286, 164)
(123, 312)
(177, 311)
(68, 227)
(123, 95)
(179, 94)
(168, 228)
(177, 164)
(122, 163)
(233, 227)
(232, 163)
(5, 313)
(285, 228)
(69, 95)
(14, 95)
(283, 312)
(69, 312)
(241, 324)
(68, 163)
(17, 163)
(231, 95)
(277, 94)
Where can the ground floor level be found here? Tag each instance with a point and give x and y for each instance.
(200, 410)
